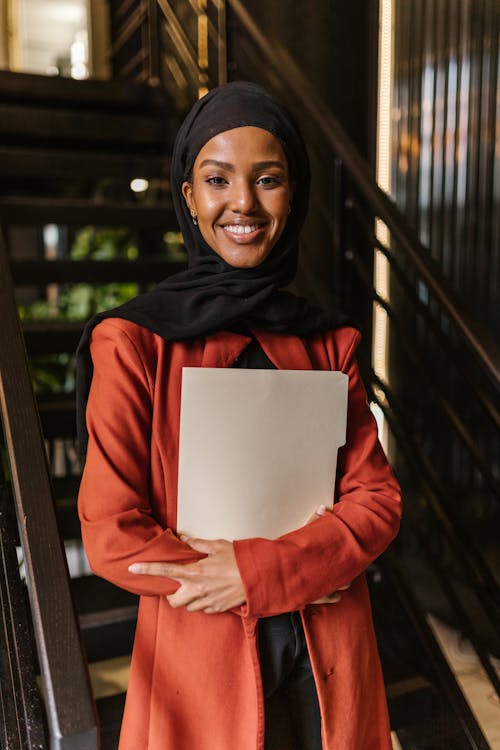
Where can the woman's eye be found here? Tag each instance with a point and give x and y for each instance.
(268, 181)
(216, 180)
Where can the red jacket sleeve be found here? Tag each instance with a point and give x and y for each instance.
(287, 573)
(118, 526)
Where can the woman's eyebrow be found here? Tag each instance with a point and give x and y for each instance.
(215, 163)
(268, 164)
(230, 167)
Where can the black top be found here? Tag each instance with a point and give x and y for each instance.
(253, 357)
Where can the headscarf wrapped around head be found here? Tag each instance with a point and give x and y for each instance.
(210, 295)
(236, 105)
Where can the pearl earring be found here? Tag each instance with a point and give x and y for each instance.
(193, 216)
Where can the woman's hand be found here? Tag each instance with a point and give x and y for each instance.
(335, 596)
(212, 584)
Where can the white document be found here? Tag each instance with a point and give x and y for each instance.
(258, 449)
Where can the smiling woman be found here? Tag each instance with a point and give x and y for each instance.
(252, 643)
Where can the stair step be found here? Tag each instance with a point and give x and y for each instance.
(423, 696)
(65, 488)
(107, 616)
(39, 124)
(65, 499)
(34, 210)
(68, 522)
(110, 712)
(26, 161)
(39, 272)
(411, 699)
(126, 96)
(58, 416)
(51, 337)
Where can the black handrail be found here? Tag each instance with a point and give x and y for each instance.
(21, 709)
(490, 408)
(471, 562)
(481, 344)
(69, 705)
(426, 376)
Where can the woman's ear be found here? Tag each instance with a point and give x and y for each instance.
(187, 192)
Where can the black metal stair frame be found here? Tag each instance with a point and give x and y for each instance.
(68, 702)
(21, 723)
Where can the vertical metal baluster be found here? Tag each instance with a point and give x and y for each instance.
(221, 41)
(153, 43)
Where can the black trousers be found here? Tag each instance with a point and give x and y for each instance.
(292, 716)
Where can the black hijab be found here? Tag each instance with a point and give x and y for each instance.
(211, 295)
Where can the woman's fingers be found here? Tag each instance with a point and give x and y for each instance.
(207, 546)
(213, 584)
(166, 570)
(330, 599)
(334, 597)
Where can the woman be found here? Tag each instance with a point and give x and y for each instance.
(238, 645)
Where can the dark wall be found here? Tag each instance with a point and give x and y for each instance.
(334, 43)
(446, 179)
(446, 160)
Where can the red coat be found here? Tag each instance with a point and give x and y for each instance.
(195, 678)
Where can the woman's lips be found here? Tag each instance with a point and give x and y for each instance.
(243, 233)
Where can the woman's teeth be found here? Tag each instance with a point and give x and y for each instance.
(239, 229)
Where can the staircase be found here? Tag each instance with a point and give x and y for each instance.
(68, 152)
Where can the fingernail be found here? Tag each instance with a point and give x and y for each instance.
(321, 510)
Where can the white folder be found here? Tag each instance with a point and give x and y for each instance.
(258, 449)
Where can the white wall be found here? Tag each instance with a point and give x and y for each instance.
(47, 29)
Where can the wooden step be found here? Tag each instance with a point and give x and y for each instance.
(107, 616)
(38, 125)
(65, 490)
(422, 691)
(114, 95)
(57, 416)
(68, 522)
(110, 712)
(39, 211)
(38, 272)
(51, 337)
(76, 163)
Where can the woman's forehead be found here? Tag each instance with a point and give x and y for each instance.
(248, 142)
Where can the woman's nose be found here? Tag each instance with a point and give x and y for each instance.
(242, 197)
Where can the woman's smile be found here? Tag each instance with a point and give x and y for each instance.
(242, 232)
(240, 194)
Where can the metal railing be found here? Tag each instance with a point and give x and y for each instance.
(179, 44)
(69, 707)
